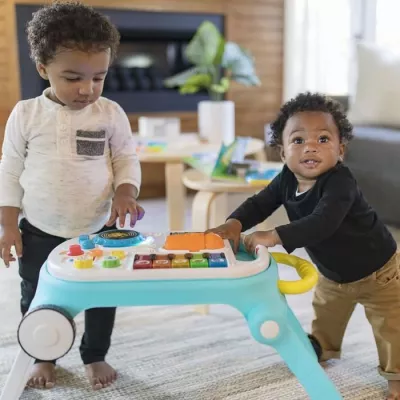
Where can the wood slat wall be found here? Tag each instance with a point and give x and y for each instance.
(258, 26)
(255, 24)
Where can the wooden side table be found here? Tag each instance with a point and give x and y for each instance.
(209, 208)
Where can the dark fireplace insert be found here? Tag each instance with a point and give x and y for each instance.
(152, 49)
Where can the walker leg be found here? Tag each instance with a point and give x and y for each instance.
(289, 340)
(306, 368)
(294, 323)
(17, 377)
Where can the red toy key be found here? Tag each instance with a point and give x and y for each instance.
(142, 262)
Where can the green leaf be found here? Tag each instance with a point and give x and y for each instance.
(240, 63)
(218, 88)
(201, 80)
(181, 78)
(225, 82)
(206, 46)
(189, 89)
(222, 86)
(220, 53)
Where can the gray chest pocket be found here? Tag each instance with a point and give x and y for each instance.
(90, 143)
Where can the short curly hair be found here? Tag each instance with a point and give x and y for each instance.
(311, 102)
(69, 24)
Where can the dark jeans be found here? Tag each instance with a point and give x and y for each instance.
(99, 322)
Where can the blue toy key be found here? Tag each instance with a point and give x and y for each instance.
(217, 261)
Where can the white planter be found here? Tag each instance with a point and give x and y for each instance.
(216, 121)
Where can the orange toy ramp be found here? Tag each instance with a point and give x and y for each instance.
(193, 241)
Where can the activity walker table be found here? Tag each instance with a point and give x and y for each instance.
(127, 268)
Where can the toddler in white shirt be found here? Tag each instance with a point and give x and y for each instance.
(69, 164)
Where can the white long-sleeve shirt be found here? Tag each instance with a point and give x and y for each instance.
(62, 166)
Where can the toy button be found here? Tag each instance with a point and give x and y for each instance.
(180, 261)
(111, 262)
(119, 254)
(96, 253)
(216, 255)
(118, 238)
(161, 261)
(199, 262)
(217, 260)
(87, 244)
(161, 264)
(142, 262)
(82, 238)
(83, 262)
(75, 250)
(198, 256)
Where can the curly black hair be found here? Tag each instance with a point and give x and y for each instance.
(69, 24)
(311, 102)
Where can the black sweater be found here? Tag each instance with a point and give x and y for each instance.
(334, 223)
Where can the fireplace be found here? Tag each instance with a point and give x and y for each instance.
(152, 48)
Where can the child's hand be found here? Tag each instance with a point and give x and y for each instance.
(10, 236)
(230, 230)
(125, 203)
(264, 238)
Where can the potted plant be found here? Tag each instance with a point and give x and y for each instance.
(216, 63)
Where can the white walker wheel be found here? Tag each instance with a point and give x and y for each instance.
(46, 333)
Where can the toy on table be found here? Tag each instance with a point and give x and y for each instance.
(229, 164)
(127, 268)
(218, 166)
(151, 147)
(262, 177)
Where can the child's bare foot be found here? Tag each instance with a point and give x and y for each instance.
(43, 376)
(100, 374)
(394, 390)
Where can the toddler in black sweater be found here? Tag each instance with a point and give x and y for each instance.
(329, 216)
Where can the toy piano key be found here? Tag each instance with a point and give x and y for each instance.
(142, 262)
(161, 261)
(180, 261)
(217, 260)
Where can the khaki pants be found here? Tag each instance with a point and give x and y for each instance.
(379, 293)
